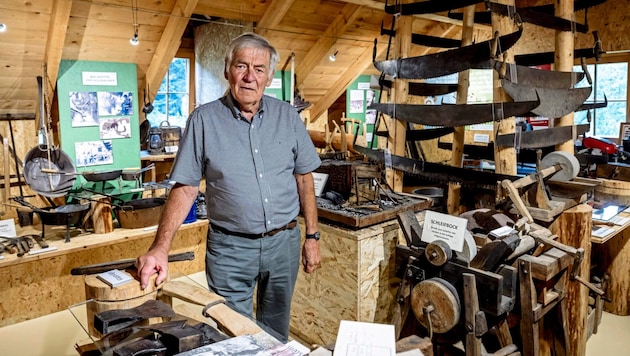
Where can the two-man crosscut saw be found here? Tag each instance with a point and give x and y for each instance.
(436, 172)
(541, 138)
(475, 56)
(451, 115)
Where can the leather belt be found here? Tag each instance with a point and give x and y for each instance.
(288, 226)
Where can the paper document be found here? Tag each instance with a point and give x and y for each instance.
(365, 339)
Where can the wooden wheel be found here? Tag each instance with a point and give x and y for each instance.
(436, 305)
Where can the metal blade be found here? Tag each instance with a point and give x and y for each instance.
(538, 78)
(455, 115)
(428, 6)
(424, 89)
(476, 56)
(530, 15)
(553, 102)
(541, 138)
(439, 172)
(427, 134)
(593, 105)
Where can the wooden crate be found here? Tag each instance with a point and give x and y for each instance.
(354, 281)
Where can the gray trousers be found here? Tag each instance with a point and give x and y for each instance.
(236, 265)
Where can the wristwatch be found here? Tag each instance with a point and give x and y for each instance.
(314, 236)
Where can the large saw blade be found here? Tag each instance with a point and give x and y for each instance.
(541, 138)
(452, 115)
(436, 172)
(475, 56)
(538, 78)
(553, 102)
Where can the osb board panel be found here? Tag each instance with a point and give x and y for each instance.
(351, 284)
(44, 285)
(614, 258)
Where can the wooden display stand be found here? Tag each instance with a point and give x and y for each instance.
(353, 282)
(612, 257)
(41, 284)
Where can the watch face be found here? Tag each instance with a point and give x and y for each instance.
(314, 236)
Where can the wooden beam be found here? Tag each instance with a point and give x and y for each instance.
(358, 67)
(273, 15)
(169, 44)
(57, 29)
(323, 46)
(564, 62)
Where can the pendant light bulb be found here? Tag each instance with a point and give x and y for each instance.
(134, 40)
(333, 57)
(3, 27)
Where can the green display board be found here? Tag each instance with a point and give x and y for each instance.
(359, 96)
(98, 117)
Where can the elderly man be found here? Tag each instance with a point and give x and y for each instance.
(257, 159)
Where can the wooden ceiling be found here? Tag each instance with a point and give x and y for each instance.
(40, 33)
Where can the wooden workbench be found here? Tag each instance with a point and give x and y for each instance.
(36, 285)
(611, 255)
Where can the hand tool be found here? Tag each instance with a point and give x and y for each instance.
(112, 320)
(125, 264)
(229, 320)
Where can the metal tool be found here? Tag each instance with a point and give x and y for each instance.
(475, 56)
(112, 320)
(125, 264)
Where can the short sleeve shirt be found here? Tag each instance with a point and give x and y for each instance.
(249, 167)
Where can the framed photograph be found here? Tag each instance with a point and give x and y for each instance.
(92, 153)
(624, 131)
(115, 127)
(83, 108)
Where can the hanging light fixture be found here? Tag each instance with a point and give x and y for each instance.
(333, 57)
(3, 27)
(134, 13)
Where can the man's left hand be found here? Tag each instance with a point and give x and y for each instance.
(310, 255)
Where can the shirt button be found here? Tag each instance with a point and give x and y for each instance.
(260, 175)
(255, 150)
(268, 222)
(266, 200)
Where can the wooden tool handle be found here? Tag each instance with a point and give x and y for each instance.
(516, 199)
(231, 322)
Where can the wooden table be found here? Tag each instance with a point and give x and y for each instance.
(611, 255)
(162, 163)
(36, 285)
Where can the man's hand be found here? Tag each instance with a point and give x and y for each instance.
(154, 261)
(310, 255)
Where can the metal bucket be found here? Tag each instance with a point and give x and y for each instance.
(140, 213)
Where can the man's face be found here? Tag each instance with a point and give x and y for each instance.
(249, 74)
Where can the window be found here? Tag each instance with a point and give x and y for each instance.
(172, 101)
(609, 80)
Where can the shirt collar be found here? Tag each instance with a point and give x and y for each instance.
(236, 112)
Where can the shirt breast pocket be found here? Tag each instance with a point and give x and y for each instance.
(278, 155)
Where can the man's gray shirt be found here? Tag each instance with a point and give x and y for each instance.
(250, 187)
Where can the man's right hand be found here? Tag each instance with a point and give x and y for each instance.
(154, 261)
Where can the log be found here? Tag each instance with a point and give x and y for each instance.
(319, 140)
(573, 228)
(103, 297)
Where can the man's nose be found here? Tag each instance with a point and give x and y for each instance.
(249, 75)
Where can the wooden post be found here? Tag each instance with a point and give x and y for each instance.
(564, 62)
(453, 196)
(573, 228)
(102, 215)
(398, 128)
(7, 176)
(505, 157)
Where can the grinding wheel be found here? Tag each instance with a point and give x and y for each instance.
(441, 296)
(569, 163)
